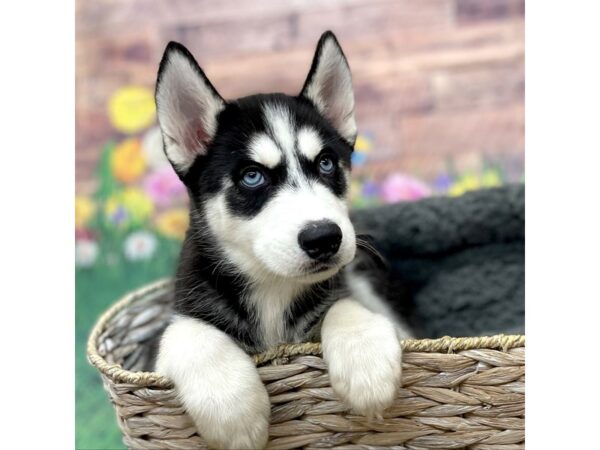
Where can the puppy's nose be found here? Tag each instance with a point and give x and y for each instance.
(320, 240)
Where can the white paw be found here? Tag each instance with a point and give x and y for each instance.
(238, 422)
(364, 356)
(217, 383)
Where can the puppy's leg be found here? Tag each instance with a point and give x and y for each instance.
(362, 291)
(217, 383)
(363, 354)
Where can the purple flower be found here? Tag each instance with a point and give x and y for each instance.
(370, 189)
(120, 216)
(443, 182)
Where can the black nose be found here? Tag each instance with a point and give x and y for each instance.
(320, 240)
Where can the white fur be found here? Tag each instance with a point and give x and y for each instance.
(217, 383)
(309, 143)
(264, 151)
(362, 290)
(279, 119)
(363, 354)
(265, 248)
(280, 123)
(266, 245)
(270, 301)
(291, 209)
(330, 90)
(186, 106)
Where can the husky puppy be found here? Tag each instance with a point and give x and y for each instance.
(270, 253)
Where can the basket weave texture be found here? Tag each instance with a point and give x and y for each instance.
(457, 393)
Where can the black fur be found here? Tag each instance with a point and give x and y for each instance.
(205, 289)
(226, 156)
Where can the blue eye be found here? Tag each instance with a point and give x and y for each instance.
(326, 165)
(253, 178)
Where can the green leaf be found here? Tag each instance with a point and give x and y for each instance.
(107, 184)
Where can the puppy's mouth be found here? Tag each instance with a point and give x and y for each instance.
(317, 271)
(319, 267)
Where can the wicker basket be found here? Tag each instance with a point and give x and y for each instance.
(457, 392)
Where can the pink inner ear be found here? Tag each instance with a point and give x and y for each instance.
(201, 135)
(196, 138)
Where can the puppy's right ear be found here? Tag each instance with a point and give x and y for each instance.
(187, 106)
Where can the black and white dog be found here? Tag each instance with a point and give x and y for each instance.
(270, 254)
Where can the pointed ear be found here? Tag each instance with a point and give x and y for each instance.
(187, 106)
(329, 86)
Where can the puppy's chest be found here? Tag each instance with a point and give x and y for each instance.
(285, 314)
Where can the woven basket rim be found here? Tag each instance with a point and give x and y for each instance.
(117, 374)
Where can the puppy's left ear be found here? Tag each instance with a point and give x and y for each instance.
(188, 106)
(329, 86)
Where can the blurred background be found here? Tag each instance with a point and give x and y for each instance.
(439, 88)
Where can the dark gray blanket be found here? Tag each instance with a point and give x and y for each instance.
(456, 265)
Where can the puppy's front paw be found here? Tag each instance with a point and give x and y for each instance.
(363, 354)
(217, 383)
(236, 421)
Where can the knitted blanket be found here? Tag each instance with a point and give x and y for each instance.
(456, 265)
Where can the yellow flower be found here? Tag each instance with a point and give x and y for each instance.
(173, 223)
(466, 183)
(131, 109)
(137, 203)
(127, 206)
(491, 178)
(362, 144)
(84, 210)
(127, 161)
(355, 189)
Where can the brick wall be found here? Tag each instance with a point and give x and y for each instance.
(433, 78)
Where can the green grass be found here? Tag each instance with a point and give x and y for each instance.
(95, 289)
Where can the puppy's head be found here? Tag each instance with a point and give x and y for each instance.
(268, 175)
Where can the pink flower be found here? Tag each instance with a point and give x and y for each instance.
(398, 187)
(163, 186)
(84, 234)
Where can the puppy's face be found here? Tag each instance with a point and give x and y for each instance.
(269, 174)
